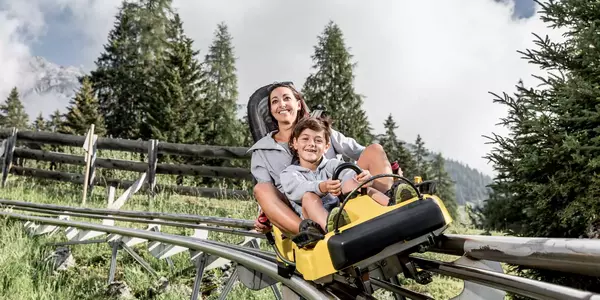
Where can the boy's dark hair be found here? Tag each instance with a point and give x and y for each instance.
(321, 123)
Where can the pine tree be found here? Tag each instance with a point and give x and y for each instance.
(155, 19)
(39, 124)
(395, 149)
(247, 140)
(420, 154)
(55, 122)
(547, 166)
(332, 85)
(176, 104)
(127, 69)
(83, 112)
(222, 91)
(221, 125)
(445, 186)
(13, 113)
(114, 78)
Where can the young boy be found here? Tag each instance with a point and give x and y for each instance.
(308, 181)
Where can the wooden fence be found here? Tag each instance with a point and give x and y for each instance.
(91, 143)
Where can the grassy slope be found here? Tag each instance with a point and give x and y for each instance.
(23, 275)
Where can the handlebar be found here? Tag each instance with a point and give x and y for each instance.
(348, 165)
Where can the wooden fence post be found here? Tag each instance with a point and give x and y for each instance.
(88, 159)
(8, 155)
(92, 164)
(152, 163)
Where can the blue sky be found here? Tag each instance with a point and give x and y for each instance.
(445, 56)
(60, 39)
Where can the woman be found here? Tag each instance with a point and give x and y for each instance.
(271, 154)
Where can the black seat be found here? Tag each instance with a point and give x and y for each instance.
(258, 112)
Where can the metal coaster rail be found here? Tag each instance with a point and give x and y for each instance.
(577, 256)
(297, 284)
(239, 223)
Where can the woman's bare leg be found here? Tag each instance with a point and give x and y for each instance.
(312, 208)
(276, 207)
(376, 161)
(378, 196)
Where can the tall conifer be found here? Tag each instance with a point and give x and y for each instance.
(395, 148)
(332, 85)
(83, 112)
(222, 90)
(547, 183)
(12, 112)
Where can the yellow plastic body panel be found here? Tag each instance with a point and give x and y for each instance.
(316, 263)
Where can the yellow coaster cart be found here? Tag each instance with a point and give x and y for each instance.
(377, 241)
(376, 235)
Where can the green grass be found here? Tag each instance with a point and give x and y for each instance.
(24, 275)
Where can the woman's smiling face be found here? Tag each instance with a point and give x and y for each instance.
(284, 106)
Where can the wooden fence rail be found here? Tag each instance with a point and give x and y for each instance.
(151, 167)
(135, 166)
(139, 146)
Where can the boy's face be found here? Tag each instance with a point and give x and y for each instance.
(311, 145)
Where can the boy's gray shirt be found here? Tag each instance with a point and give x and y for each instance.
(270, 158)
(297, 180)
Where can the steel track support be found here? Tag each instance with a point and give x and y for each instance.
(229, 285)
(253, 243)
(116, 245)
(138, 258)
(276, 293)
(170, 263)
(113, 262)
(200, 264)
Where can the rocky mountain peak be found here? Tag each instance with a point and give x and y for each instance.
(47, 86)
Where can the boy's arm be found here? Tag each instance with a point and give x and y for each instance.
(295, 185)
(346, 176)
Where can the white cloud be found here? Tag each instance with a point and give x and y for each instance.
(429, 63)
(19, 25)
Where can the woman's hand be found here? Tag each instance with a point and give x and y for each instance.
(364, 176)
(400, 172)
(331, 186)
(262, 224)
(261, 228)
